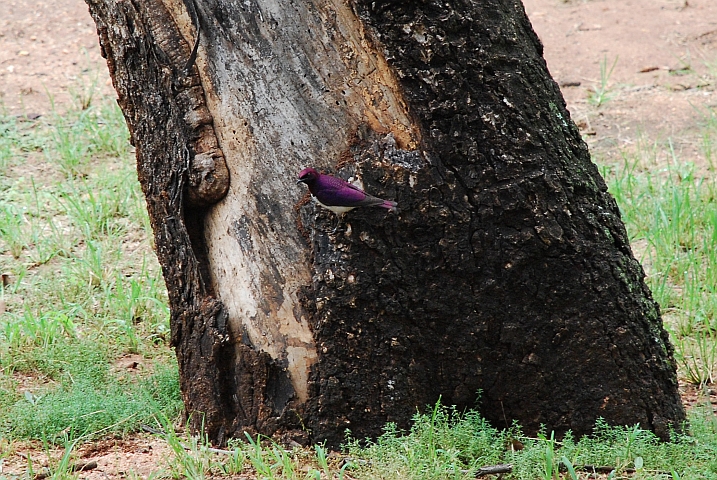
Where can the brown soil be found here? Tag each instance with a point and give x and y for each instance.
(48, 49)
(664, 78)
(108, 458)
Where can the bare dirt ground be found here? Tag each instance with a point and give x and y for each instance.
(666, 61)
(47, 49)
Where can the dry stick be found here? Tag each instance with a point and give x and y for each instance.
(78, 467)
(602, 469)
(608, 469)
(494, 469)
(508, 468)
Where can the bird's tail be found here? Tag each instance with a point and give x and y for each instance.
(390, 205)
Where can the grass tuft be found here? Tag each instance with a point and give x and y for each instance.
(668, 206)
(601, 92)
(81, 285)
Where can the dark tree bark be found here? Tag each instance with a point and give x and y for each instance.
(506, 281)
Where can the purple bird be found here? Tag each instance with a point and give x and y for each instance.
(338, 195)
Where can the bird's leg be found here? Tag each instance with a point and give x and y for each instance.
(339, 217)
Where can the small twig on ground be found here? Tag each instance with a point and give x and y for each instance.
(602, 469)
(608, 469)
(78, 467)
(494, 469)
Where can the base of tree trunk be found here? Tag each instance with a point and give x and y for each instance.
(505, 282)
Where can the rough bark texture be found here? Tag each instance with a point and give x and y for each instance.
(180, 168)
(507, 271)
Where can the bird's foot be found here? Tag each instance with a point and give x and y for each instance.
(338, 224)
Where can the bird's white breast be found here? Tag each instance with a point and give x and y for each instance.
(334, 208)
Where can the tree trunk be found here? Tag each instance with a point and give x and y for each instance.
(506, 280)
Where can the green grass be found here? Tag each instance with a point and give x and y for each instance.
(445, 444)
(669, 206)
(601, 92)
(82, 285)
(91, 402)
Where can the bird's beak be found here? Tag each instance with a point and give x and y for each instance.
(300, 181)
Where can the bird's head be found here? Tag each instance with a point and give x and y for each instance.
(308, 175)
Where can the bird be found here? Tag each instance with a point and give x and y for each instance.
(338, 195)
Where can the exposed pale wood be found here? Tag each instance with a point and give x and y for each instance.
(295, 96)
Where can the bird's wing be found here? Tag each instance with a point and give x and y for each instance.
(332, 191)
(367, 200)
